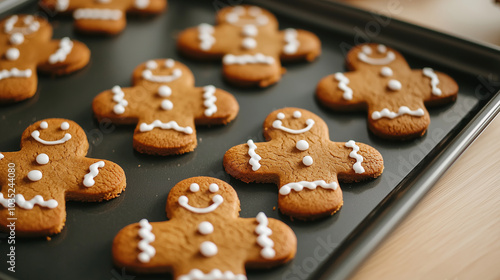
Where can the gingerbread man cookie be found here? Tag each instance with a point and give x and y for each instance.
(204, 237)
(394, 95)
(103, 16)
(250, 45)
(166, 106)
(300, 158)
(26, 45)
(50, 169)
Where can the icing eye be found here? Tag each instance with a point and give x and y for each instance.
(280, 116)
(164, 91)
(194, 187)
(151, 64)
(366, 49)
(297, 114)
(65, 126)
(169, 63)
(213, 188)
(44, 125)
(382, 48)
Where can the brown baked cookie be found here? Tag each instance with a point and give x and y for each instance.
(394, 95)
(300, 158)
(50, 169)
(166, 105)
(26, 45)
(250, 45)
(103, 16)
(204, 237)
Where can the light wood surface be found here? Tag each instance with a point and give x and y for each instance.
(454, 232)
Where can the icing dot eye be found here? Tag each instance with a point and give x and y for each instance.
(42, 159)
(366, 49)
(213, 188)
(297, 114)
(193, 188)
(169, 63)
(44, 125)
(164, 91)
(307, 161)
(382, 48)
(280, 116)
(302, 145)
(151, 64)
(65, 126)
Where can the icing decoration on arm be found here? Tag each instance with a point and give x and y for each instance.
(354, 154)
(15, 73)
(209, 100)
(88, 179)
(254, 157)
(403, 110)
(147, 237)
(170, 125)
(343, 82)
(244, 59)
(141, 4)
(169, 63)
(363, 56)
(205, 32)
(97, 14)
(279, 125)
(65, 47)
(299, 186)
(196, 274)
(394, 85)
(208, 249)
(264, 239)
(118, 97)
(62, 5)
(292, 44)
(28, 204)
(217, 199)
(36, 135)
(434, 80)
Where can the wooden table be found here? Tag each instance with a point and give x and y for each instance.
(454, 232)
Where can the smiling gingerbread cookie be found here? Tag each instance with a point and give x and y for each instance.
(50, 169)
(204, 237)
(300, 158)
(394, 95)
(250, 45)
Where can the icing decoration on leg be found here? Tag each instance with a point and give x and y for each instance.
(254, 157)
(147, 237)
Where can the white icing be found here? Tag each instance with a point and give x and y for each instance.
(44, 125)
(386, 71)
(29, 204)
(42, 159)
(307, 160)
(279, 125)
(170, 125)
(62, 5)
(292, 44)
(119, 98)
(363, 56)
(147, 237)
(264, 239)
(16, 38)
(35, 175)
(205, 35)
(354, 154)
(97, 14)
(164, 91)
(208, 249)
(394, 85)
(343, 82)
(88, 179)
(249, 43)
(244, 59)
(217, 199)
(12, 54)
(299, 186)
(194, 187)
(297, 114)
(169, 63)
(280, 116)
(215, 274)
(249, 30)
(254, 157)
(65, 47)
(381, 48)
(65, 126)
(31, 25)
(15, 73)
(403, 110)
(302, 145)
(233, 17)
(434, 80)
(36, 135)
(366, 49)
(209, 100)
(141, 4)
(167, 105)
(151, 64)
(1, 156)
(213, 188)
(103, 1)
(205, 228)
(148, 74)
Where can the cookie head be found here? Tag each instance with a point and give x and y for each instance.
(292, 122)
(20, 27)
(245, 16)
(56, 134)
(201, 196)
(163, 71)
(375, 56)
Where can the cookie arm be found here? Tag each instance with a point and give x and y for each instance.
(118, 105)
(218, 106)
(299, 45)
(356, 162)
(63, 56)
(206, 41)
(435, 87)
(343, 91)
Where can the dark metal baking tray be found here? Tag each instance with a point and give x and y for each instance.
(327, 249)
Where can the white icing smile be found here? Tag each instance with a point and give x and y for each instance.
(363, 55)
(152, 65)
(44, 125)
(278, 124)
(217, 200)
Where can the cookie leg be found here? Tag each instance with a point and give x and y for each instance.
(164, 138)
(252, 74)
(100, 26)
(309, 204)
(15, 89)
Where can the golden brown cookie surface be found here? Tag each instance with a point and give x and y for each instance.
(394, 95)
(300, 158)
(250, 45)
(50, 169)
(204, 236)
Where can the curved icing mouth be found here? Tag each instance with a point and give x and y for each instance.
(279, 125)
(363, 55)
(36, 135)
(147, 74)
(217, 200)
